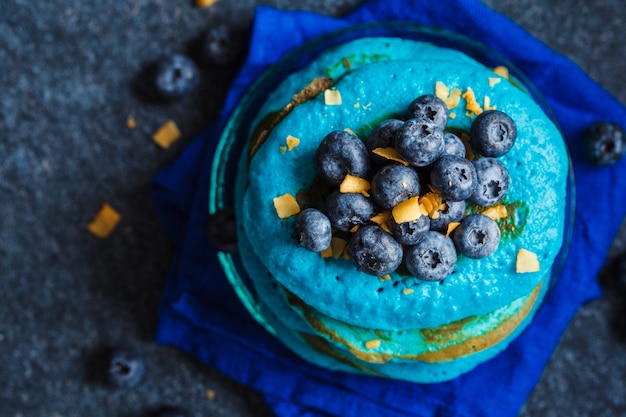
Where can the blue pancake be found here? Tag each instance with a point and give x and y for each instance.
(323, 308)
(382, 89)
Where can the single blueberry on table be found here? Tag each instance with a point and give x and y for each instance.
(175, 76)
(341, 153)
(453, 145)
(492, 182)
(453, 177)
(429, 107)
(409, 233)
(375, 251)
(453, 212)
(346, 210)
(477, 236)
(420, 142)
(383, 136)
(604, 143)
(222, 45)
(394, 184)
(432, 258)
(493, 133)
(313, 230)
(125, 368)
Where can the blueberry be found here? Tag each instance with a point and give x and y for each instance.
(477, 236)
(346, 210)
(420, 142)
(175, 76)
(394, 184)
(603, 143)
(313, 230)
(375, 251)
(125, 368)
(409, 233)
(492, 182)
(342, 153)
(222, 45)
(432, 258)
(453, 145)
(453, 177)
(222, 230)
(383, 136)
(429, 107)
(453, 212)
(493, 133)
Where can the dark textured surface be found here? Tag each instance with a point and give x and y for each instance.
(66, 77)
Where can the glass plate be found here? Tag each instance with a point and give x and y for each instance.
(232, 141)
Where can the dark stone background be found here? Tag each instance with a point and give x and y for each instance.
(66, 69)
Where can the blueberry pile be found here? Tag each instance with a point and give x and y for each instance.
(431, 163)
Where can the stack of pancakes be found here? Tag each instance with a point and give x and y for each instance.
(397, 326)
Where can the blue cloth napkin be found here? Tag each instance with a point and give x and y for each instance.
(201, 314)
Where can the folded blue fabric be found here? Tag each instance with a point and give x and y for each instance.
(201, 314)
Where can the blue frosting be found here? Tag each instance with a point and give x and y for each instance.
(385, 75)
